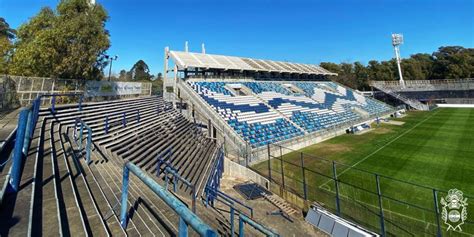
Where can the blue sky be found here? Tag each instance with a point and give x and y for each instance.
(299, 31)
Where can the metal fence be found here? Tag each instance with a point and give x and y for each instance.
(389, 206)
(8, 95)
(21, 91)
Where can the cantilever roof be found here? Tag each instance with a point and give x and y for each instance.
(212, 61)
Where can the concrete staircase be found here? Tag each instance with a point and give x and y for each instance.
(61, 194)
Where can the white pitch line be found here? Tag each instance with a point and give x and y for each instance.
(374, 152)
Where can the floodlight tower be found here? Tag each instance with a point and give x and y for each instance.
(397, 40)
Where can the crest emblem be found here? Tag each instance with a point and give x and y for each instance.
(454, 211)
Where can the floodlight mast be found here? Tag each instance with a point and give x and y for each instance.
(397, 40)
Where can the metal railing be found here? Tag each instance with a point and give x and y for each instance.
(176, 177)
(27, 120)
(123, 121)
(213, 182)
(246, 220)
(186, 216)
(78, 140)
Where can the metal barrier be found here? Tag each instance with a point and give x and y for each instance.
(89, 137)
(213, 183)
(27, 120)
(186, 217)
(176, 177)
(53, 100)
(246, 220)
(212, 190)
(18, 151)
(107, 123)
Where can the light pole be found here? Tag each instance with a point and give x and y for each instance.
(397, 40)
(111, 58)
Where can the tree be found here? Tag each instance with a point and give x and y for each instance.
(449, 62)
(453, 62)
(6, 31)
(140, 71)
(159, 76)
(68, 43)
(7, 35)
(124, 75)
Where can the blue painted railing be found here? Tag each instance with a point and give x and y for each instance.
(107, 123)
(243, 219)
(186, 216)
(78, 140)
(53, 100)
(163, 159)
(230, 200)
(176, 177)
(27, 120)
(213, 183)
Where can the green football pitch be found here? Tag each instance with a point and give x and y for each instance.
(431, 150)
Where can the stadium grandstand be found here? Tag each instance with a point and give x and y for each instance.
(423, 94)
(248, 103)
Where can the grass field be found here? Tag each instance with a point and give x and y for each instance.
(432, 149)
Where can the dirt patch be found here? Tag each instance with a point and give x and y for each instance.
(364, 131)
(332, 148)
(393, 122)
(381, 130)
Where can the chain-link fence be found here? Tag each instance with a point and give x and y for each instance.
(383, 204)
(8, 95)
(20, 91)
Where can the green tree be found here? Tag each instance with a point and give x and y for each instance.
(159, 76)
(453, 62)
(7, 35)
(140, 71)
(6, 31)
(68, 43)
(447, 63)
(124, 75)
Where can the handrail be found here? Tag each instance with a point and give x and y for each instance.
(186, 217)
(53, 101)
(245, 219)
(176, 177)
(89, 137)
(27, 120)
(213, 181)
(231, 200)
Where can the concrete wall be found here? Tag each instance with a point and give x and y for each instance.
(233, 169)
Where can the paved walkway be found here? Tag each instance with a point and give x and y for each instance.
(8, 122)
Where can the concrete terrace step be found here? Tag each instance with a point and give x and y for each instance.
(15, 209)
(63, 195)
(144, 212)
(91, 216)
(93, 106)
